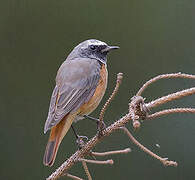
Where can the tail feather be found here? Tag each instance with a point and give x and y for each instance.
(56, 136)
(50, 153)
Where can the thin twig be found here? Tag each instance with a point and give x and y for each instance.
(163, 160)
(170, 111)
(72, 177)
(85, 150)
(109, 161)
(118, 82)
(86, 170)
(170, 97)
(124, 151)
(164, 76)
(87, 147)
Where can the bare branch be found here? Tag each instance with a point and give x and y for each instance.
(87, 147)
(170, 97)
(109, 161)
(164, 76)
(124, 151)
(86, 170)
(170, 111)
(137, 110)
(163, 160)
(72, 177)
(118, 82)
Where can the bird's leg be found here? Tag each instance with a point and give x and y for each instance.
(100, 125)
(91, 118)
(79, 139)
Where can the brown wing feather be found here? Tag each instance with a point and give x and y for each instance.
(76, 82)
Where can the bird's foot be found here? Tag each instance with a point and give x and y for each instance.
(100, 127)
(91, 118)
(81, 141)
(100, 124)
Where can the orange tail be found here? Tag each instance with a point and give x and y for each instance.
(56, 135)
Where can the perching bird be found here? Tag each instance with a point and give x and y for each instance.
(81, 82)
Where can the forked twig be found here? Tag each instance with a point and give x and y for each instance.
(138, 110)
(163, 160)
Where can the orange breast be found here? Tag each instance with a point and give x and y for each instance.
(92, 104)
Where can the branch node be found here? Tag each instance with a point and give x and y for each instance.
(136, 124)
(138, 110)
(169, 163)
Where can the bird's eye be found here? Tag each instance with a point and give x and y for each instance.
(92, 47)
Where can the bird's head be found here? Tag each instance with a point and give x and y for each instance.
(93, 49)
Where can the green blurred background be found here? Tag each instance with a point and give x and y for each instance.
(155, 37)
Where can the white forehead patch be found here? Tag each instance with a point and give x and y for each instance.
(95, 42)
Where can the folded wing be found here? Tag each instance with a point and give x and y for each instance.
(76, 83)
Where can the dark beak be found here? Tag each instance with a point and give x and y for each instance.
(108, 48)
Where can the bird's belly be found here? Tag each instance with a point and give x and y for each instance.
(92, 104)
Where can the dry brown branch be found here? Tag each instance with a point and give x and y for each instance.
(87, 147)
(124, 151)
(72, 177)
(118, 82)
(170, 97)
(170, 111)
(86, 170)
(109, 161)
(137, 110)
(164, 76)
(163, 160)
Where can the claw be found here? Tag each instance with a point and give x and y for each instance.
(81, 141)
(100, 126)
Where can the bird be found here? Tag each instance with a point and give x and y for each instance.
(81, 82)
